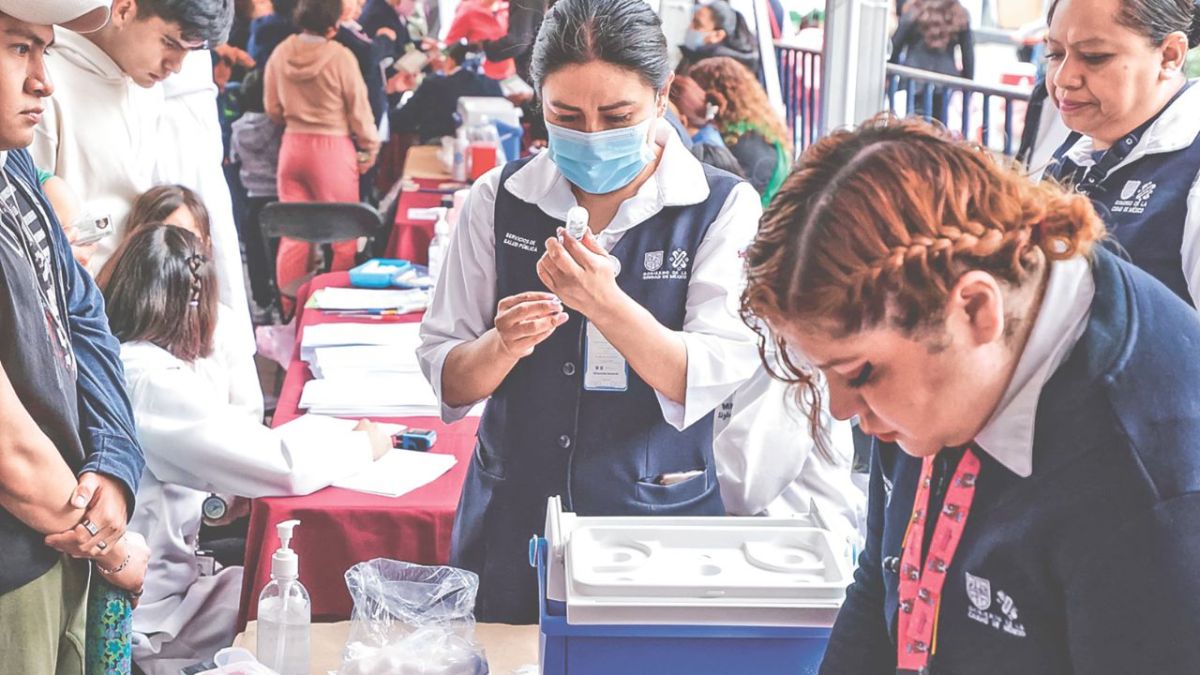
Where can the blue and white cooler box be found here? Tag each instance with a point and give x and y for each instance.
(685, 596)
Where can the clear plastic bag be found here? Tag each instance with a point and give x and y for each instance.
(276, 342)
(412, 620)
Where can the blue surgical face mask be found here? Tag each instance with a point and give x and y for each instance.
(601, 161)
(694, 39)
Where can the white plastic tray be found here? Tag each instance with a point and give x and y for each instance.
(712, 571)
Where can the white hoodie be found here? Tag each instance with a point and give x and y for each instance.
(99, 134)
(111, 140)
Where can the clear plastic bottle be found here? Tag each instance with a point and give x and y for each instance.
(437, 247)
(284, 612)
(459, 168)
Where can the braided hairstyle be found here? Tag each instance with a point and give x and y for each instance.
(874, 227)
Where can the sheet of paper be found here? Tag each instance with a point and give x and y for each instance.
(404, 337)
(361, 361)
(392, 395)
(399, 472)
(422, 214)
(361, 298)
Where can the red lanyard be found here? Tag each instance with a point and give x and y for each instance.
(921, 590)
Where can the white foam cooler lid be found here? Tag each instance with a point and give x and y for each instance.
(697, 571)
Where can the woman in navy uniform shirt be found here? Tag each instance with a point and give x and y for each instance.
(1115, 71)
(1034, 402)
(603, 358)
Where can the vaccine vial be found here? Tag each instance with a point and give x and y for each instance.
(577, 222)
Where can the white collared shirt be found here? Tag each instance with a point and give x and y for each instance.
(1174, 130)
(721, 350)
(1060, 322)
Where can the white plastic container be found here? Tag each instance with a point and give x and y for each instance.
(472, 109)
(284, 612)
(694, 571)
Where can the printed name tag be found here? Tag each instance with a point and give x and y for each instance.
(604, 367)
(206, 564)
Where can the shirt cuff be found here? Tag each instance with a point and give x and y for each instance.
(450, 414)
(711, 379)
(117, 457)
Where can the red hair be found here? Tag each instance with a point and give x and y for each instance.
(874, 227)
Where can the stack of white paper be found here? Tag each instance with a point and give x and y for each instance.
(360, 299)
(357, 361)
(366, 370)
(391, 395)
(404, 338)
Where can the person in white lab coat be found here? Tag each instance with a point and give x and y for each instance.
(182, 207)
(602, 386)
(191, 155)
(199, 439)
(768, 463)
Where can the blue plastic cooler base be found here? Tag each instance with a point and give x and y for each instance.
(669, 650)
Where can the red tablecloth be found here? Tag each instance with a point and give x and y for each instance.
(410, 238)
(339, 527)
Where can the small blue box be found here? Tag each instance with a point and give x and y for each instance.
(378, 272)
(669, 650)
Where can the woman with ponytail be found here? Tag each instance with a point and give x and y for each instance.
(1115, 71)
(161, 298)
(1033, 402)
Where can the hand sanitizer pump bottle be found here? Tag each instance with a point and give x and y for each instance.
(284, 611)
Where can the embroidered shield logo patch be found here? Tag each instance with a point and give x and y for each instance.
(653, 261)
(1130, 189)
(979, 590)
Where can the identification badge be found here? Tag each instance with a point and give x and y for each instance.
(604, 367)
(206, 564)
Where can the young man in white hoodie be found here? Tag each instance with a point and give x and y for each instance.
(114, 129)
(101, 133)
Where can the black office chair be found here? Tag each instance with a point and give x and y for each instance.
(318, 223)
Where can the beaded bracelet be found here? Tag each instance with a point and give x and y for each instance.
(120, 567)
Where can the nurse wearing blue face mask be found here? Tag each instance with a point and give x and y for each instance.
(602, 359)
(718, 30)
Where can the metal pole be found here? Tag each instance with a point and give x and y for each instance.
(856, 44)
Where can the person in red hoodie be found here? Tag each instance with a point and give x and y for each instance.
(479, 21)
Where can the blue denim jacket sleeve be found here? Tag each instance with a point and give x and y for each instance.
(106, 424)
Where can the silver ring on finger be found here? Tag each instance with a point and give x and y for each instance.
(102, 546)
(90, 527)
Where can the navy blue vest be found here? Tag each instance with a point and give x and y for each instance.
(1079, 568)
(1144, 204)
(543, 435)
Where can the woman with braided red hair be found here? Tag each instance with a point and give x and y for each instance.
(1034, 403)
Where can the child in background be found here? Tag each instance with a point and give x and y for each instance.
(255, 148)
